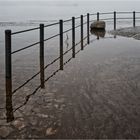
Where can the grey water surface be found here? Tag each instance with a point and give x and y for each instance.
(97, 93)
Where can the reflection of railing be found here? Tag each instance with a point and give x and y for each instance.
(53, 74)
(42, 40)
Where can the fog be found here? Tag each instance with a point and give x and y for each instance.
(53, 10)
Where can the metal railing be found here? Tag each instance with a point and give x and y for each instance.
(42, 40)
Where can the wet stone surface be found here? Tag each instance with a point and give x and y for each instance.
(133, 32)
(95, 96)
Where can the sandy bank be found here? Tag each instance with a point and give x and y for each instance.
(128, 32)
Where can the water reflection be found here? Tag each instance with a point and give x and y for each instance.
(98, 32)
(9, 107)
(67, 41)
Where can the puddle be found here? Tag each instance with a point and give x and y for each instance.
(95, 96)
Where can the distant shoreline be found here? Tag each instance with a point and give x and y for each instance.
(128, 32)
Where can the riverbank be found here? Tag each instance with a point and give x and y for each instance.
(128, 32)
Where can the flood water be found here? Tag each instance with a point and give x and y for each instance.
(95, 96)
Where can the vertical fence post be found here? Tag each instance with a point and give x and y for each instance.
(82, 46)
(134, 19)
(114, 20)
(97, 16)
(42, 55)
(73, 37)
(8, 62)
(88, 28)
(8, 76)
(61, 43)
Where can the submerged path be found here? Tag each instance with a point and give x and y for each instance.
(96, 96)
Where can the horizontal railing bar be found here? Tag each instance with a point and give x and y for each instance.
(108, 13)
(51, 37)
(124, 12)
(67, 30)
(68, 20)
(125, 18)
(77, 26)
(23, 31)
(25, 48)
(118, 18)
(93, 14)
(77, 17)
(84, 16)
(18, 32)
(51, 24)
(106, 18)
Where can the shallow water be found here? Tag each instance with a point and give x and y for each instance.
(95, 96)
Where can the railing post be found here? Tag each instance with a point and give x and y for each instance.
(134, 18)
(82, 46)
(114, 20)
(61, 43)
(88, 40)
(8, 62)
(73, 37)
(42, 75)
(8, 75)
(98, 16)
